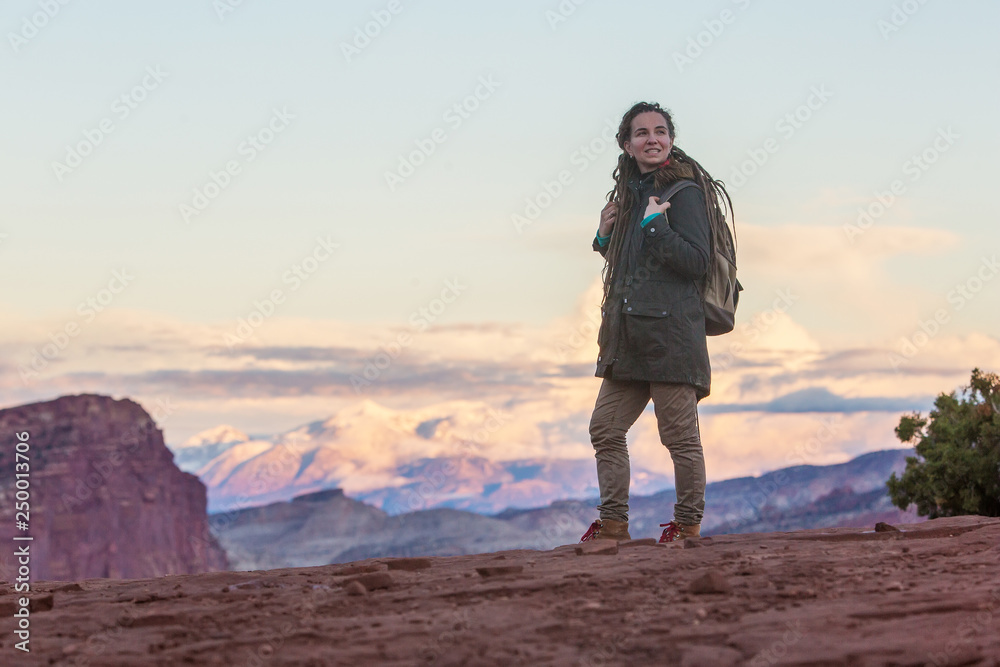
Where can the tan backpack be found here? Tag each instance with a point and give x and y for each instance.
(720, 291)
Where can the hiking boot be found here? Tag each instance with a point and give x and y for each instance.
(607, 529)
(675, 532)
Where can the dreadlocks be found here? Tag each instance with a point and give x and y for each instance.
(716, 198)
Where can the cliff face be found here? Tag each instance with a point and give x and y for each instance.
(106, 498)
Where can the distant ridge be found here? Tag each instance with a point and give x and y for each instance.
(452, 454)
(329, 527)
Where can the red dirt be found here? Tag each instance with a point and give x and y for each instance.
(929, 595)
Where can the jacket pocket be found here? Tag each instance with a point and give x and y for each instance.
(647, 326)
(646, 309)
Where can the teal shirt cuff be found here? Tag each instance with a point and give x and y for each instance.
(648, 218)
(603, 240)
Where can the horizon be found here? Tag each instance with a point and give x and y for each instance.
(265, 215)
(297, 496)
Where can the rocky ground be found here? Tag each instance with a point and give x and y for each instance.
(928, 595)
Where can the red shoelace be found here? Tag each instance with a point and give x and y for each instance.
(592, 532)
(671, 533)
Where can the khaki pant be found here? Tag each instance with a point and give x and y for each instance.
(619, 404)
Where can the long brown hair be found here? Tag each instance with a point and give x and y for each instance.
(717, 200)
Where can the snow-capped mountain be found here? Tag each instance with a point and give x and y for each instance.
(459, 454)
(205, 446)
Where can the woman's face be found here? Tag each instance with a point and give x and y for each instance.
(650, 141)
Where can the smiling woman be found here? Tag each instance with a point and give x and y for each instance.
(652, 337)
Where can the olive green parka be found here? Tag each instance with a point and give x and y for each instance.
(653, 321)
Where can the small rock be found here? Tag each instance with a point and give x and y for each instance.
(498, 570)
(152, 620)
(409, 564)
(355, 569)
(692, 543)
(355, 588)
(597, 548)
(374, 581)
(253, 584)
(883, 527)
(41, 603)
(712, 581)
(69, 588)
(644, 542)
(894, 586)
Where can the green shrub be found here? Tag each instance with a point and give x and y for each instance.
(957, 467)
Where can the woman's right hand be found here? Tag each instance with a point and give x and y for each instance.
(608, 214)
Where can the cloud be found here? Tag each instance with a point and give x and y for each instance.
(847, 293)
(777, 371)
(291, 353)
(820, 399)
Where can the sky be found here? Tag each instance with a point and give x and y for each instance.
(238, 209)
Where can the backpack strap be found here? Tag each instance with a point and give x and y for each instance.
(670, 192)
(677, 187)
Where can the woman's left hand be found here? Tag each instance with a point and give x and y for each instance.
(655, 207)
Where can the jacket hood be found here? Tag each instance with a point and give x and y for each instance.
(675, 171)
(670, 172)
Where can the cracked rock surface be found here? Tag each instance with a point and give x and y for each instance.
(928, 594)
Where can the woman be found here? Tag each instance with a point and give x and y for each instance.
(652, 336)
